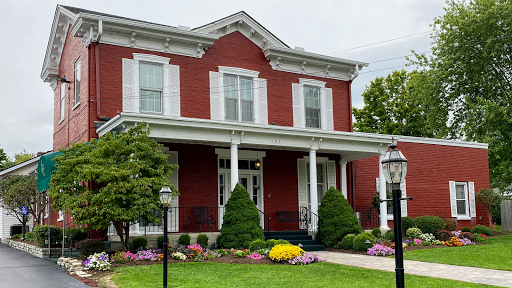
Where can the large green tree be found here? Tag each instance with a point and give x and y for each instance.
(7, 162)
(395, 105)
(21, 190)
(114, 180)
(471, 77)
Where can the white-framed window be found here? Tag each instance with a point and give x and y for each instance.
(462, 200)
(237, 94)
(325, 174)
(312, 105)
(47, 208)
(78, 78)
(62, 100)
(320, 182)
(151, 85)
(403, 203)
(238, 98)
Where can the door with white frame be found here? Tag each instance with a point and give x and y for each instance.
(252, 184)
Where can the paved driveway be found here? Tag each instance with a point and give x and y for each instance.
(19, 270)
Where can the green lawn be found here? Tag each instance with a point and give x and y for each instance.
(494, 255)
(235, 275)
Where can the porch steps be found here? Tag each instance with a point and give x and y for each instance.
(296, 238)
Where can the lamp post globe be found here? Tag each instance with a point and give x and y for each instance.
(394, 167)
(165, 198)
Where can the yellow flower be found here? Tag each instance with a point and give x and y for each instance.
(285, 252)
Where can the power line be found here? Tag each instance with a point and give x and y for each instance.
(385, 41)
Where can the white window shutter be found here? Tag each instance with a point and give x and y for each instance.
(403, 203)
(128, 90)
(263, 101)
(329, 110)
(174, 75)
(472, 206)
(297, 119)
(331, 174)
(215, 96)
(302, 183)
(453, 199)
(174, 220)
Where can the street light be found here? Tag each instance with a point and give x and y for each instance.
(394, 166)
(165, 198)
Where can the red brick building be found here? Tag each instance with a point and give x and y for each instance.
(228, 95)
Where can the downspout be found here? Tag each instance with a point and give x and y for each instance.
(97, 60)
(352, 170)
(356, 73)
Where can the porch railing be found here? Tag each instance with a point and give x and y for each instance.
(368, 217)
(308, 220)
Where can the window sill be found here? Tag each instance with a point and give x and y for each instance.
(150, 112)
(61, 120)
(76, 105)
(390, 217)
(463, 218)
(60, 219)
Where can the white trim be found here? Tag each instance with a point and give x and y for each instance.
(238, 71)
(61, 216)
(151, 58)
(242, 154)
(465, 216)
(444, 142)
(312, 82)
(76, 105)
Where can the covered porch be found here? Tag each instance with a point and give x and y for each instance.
(284, 169)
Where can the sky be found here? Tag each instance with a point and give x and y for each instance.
(321, 26)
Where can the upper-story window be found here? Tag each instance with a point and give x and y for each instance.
(78, 77)
(238, 98)
(238, 94)
(62, 100)
(151, 85)
(312, 105)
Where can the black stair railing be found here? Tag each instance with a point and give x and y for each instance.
(266, 223)
(308, 220)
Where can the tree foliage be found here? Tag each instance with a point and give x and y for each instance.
(471, 77)
(7, 162)
(114, 180)
(489, 200)
(337, 219)
(394, 105)
(21, 190)
(241, 222)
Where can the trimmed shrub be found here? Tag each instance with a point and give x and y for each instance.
(467, 235)
(282, 242)
(202, 240)
(337, 218)
(184, 240)
(55, 234)
(271, 243)
(450, 224)
(30, 236)
(160, 241)
(413, 233)
(348, 241)
(241, 223)
(257, 245)
(139, 242)
(444, 235)
(407, 223)
(389, 235)
(219, 242)
(376, 232)
(481, 229)
(89, 247)
(78, 234)
(429, 224)
(360, 241)
(464, 229)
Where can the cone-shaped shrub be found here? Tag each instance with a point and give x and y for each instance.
(337, 219)
(241, 223)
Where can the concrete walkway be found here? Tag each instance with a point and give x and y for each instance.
(22, 270)
(452, 272)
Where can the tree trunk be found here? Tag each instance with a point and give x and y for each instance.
(119, 232)
(126, 244)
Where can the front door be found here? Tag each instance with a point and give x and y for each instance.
(252, 184)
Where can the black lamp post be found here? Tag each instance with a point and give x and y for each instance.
(165, 198)
(394, 166)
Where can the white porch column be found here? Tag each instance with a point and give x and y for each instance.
(134, 229)
(234, 165)
(313, 193)
(343, 184)
(382, 195)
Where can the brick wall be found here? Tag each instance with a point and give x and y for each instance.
(429, 168)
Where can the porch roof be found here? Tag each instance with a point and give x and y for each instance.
(350, 145)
